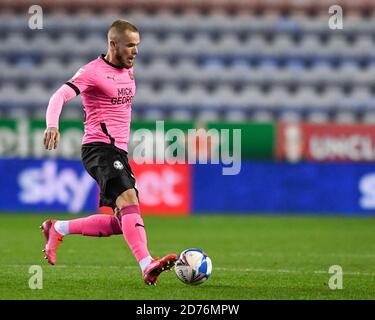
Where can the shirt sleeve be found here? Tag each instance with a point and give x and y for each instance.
(58, 99)
(82, 80)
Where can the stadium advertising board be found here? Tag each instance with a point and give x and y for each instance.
(326, 142)
(32, 185)
(257, 139)
(261, 187)
(265, 187)
(23, 138)
(163, 189)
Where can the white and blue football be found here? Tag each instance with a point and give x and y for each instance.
(193, 266)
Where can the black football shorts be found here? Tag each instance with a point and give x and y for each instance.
(109, 166)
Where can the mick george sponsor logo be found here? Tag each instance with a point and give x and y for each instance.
(201, 146)
(124, 96)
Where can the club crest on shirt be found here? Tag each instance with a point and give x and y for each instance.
(118, 165)
(131, 75)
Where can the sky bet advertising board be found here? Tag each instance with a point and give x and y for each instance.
(260, 187)
(34, 186)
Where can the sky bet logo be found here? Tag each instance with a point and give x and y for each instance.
(125, 96)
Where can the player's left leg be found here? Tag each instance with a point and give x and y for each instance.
(134, 232)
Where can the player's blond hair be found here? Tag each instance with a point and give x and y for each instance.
(118, 27)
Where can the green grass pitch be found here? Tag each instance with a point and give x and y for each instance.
(254, 257)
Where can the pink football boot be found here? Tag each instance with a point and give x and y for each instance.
(53, 239)
(157, 266)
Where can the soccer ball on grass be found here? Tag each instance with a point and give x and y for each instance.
(193, 266)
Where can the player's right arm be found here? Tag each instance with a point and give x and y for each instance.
(59, 98)
(80, 82)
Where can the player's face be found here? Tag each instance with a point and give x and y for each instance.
(126, 49)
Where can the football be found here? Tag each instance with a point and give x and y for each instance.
(193, 266)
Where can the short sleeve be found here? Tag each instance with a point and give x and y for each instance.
(83, 79)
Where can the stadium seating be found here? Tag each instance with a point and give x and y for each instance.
(217, 61)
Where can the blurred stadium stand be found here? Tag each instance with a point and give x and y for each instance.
(214, 59)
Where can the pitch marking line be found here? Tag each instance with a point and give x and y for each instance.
(292, 271)
(260, 270)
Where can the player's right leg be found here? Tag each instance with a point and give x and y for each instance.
(53, 239)
(97, 225)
